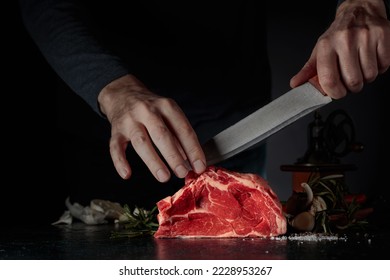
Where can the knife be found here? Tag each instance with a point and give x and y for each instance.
(264, 122)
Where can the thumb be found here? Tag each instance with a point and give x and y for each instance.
(308, 71)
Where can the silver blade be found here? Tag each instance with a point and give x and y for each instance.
(264, 122)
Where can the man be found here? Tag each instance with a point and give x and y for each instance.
(168, 76)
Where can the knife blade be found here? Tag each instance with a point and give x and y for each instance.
(266, 121)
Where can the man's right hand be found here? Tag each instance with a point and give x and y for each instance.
(155, 126)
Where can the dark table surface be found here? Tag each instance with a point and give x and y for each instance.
(80, 241)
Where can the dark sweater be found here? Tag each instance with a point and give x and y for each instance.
(210, 56)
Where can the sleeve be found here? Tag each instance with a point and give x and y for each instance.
(61, 31)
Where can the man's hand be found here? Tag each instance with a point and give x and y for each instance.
(354, 50)
(155, 126)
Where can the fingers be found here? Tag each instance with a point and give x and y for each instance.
(144, 147)
(118, 144)
(308, 71)
(166, 145)
(186, 137)
(383, 51)
(353, 51)
(136, 134)
(160, 134)
(175, 139)
(347, 63)
(323, 62)
(328, 69)
(367, 54)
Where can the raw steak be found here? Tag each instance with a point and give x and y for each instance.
(220, 203)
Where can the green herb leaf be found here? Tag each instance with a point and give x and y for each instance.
(137, 222)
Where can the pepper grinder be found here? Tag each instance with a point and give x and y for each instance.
(328, 141)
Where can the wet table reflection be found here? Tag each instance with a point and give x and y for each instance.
(80, 241)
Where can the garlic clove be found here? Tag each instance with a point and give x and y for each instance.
(304, 221)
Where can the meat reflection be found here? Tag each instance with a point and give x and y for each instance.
(220, 249)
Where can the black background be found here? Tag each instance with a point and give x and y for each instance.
(35, 178)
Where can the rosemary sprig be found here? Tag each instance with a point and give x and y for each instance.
(137, 222)
(332, 189)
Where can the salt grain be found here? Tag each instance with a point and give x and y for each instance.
(310, 237)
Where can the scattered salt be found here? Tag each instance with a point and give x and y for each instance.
(310, 237)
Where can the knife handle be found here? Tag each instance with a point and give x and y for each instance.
(314, 81)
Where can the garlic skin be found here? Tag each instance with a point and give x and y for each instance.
(308, 192)
(317, 205)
